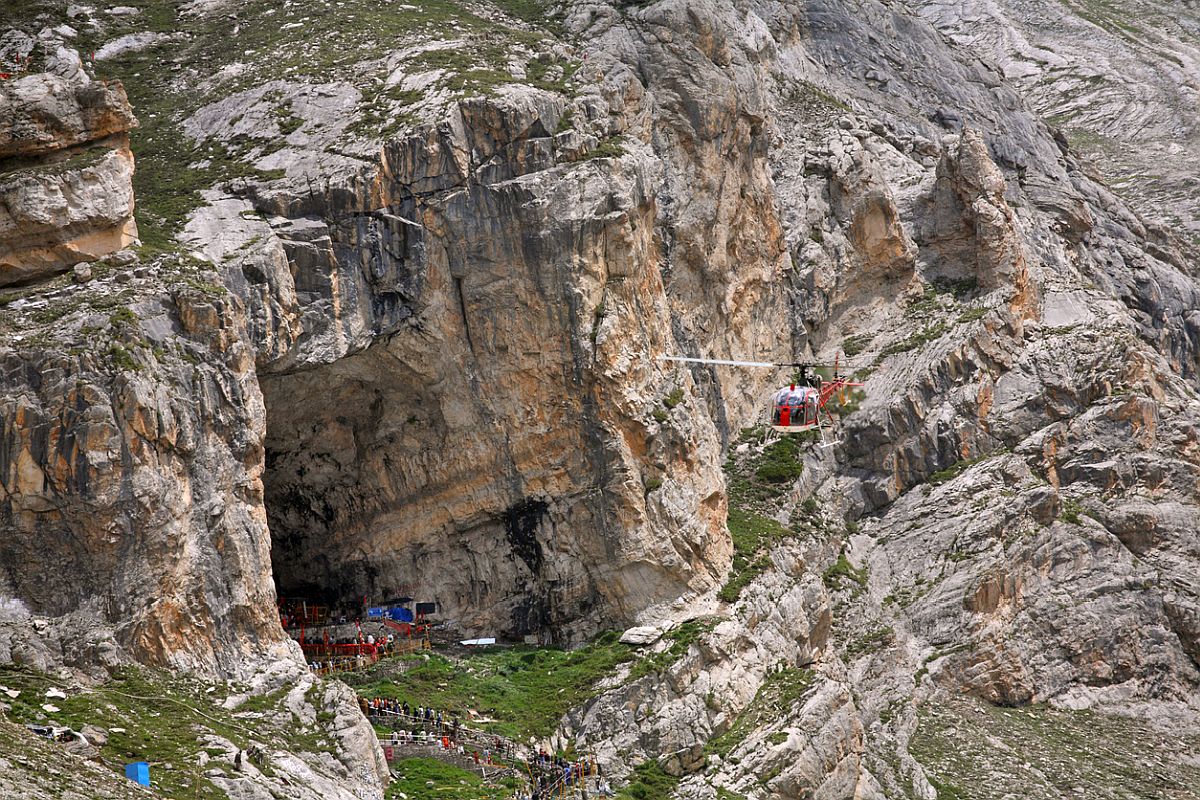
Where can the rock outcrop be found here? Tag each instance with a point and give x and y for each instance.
(66, 170)
(1000, 239)
(480, 321)
(1119, 82)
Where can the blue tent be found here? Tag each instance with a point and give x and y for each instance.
(400, 614)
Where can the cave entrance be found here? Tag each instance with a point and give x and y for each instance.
(381, 483)
(335, 476)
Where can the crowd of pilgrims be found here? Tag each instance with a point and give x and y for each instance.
(444, 732)
(377, 706)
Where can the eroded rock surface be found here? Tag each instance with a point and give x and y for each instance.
(66, 192)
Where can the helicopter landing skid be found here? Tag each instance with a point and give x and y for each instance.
(794, 428)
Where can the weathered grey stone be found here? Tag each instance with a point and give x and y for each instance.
(433, 369)
(641, 635)
(66, 192)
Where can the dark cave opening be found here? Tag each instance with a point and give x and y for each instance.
(332, 478)
(373, 491)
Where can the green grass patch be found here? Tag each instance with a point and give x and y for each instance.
(380, 114)
(430, 779)
(756, 480)
(853, 345)
(780, 462)
(957, 468)
(551, 75)
(524, 690)
(122, 316)
(123, 359)
(752, 534)
(870, 642)
(648, 782)
(163, 717)
(918, 339)
(531, 11)
(755, 434)
(469, 71)
(927, 304)
(725, 794)
(566, 122)
(681, 637)
(841, 574)
(608, 148)
(781, 689)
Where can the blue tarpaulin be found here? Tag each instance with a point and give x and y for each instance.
(400, 614)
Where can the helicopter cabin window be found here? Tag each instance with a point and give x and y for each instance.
(794, 406)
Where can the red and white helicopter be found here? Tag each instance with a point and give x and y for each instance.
(801, 405)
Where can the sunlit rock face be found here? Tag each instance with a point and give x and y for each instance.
(66, 194)
(493, 447)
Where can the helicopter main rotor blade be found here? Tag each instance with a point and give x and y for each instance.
(731, 363)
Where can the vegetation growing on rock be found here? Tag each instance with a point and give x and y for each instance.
(522, 691)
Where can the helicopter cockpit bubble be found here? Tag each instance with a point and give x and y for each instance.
(795, 406)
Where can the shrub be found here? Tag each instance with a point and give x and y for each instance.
(780, 462)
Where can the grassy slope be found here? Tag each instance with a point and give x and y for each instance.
(163, 719)
(759, 481)
(525, 691)
(37, 768)
(974, 751)
(429, 779)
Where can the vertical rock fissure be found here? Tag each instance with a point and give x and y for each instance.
(462, 309)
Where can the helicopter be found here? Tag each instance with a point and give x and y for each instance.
(799, 406)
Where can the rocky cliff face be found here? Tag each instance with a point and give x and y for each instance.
(478, 320)
(1120, 83)
(402, 339)
(938, 228)
(66, 194)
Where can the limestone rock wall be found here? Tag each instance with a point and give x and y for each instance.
(463, 403)
(65, 174)
(1119, 83)
(431, 370)
(1023, 384)
(100, 448)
